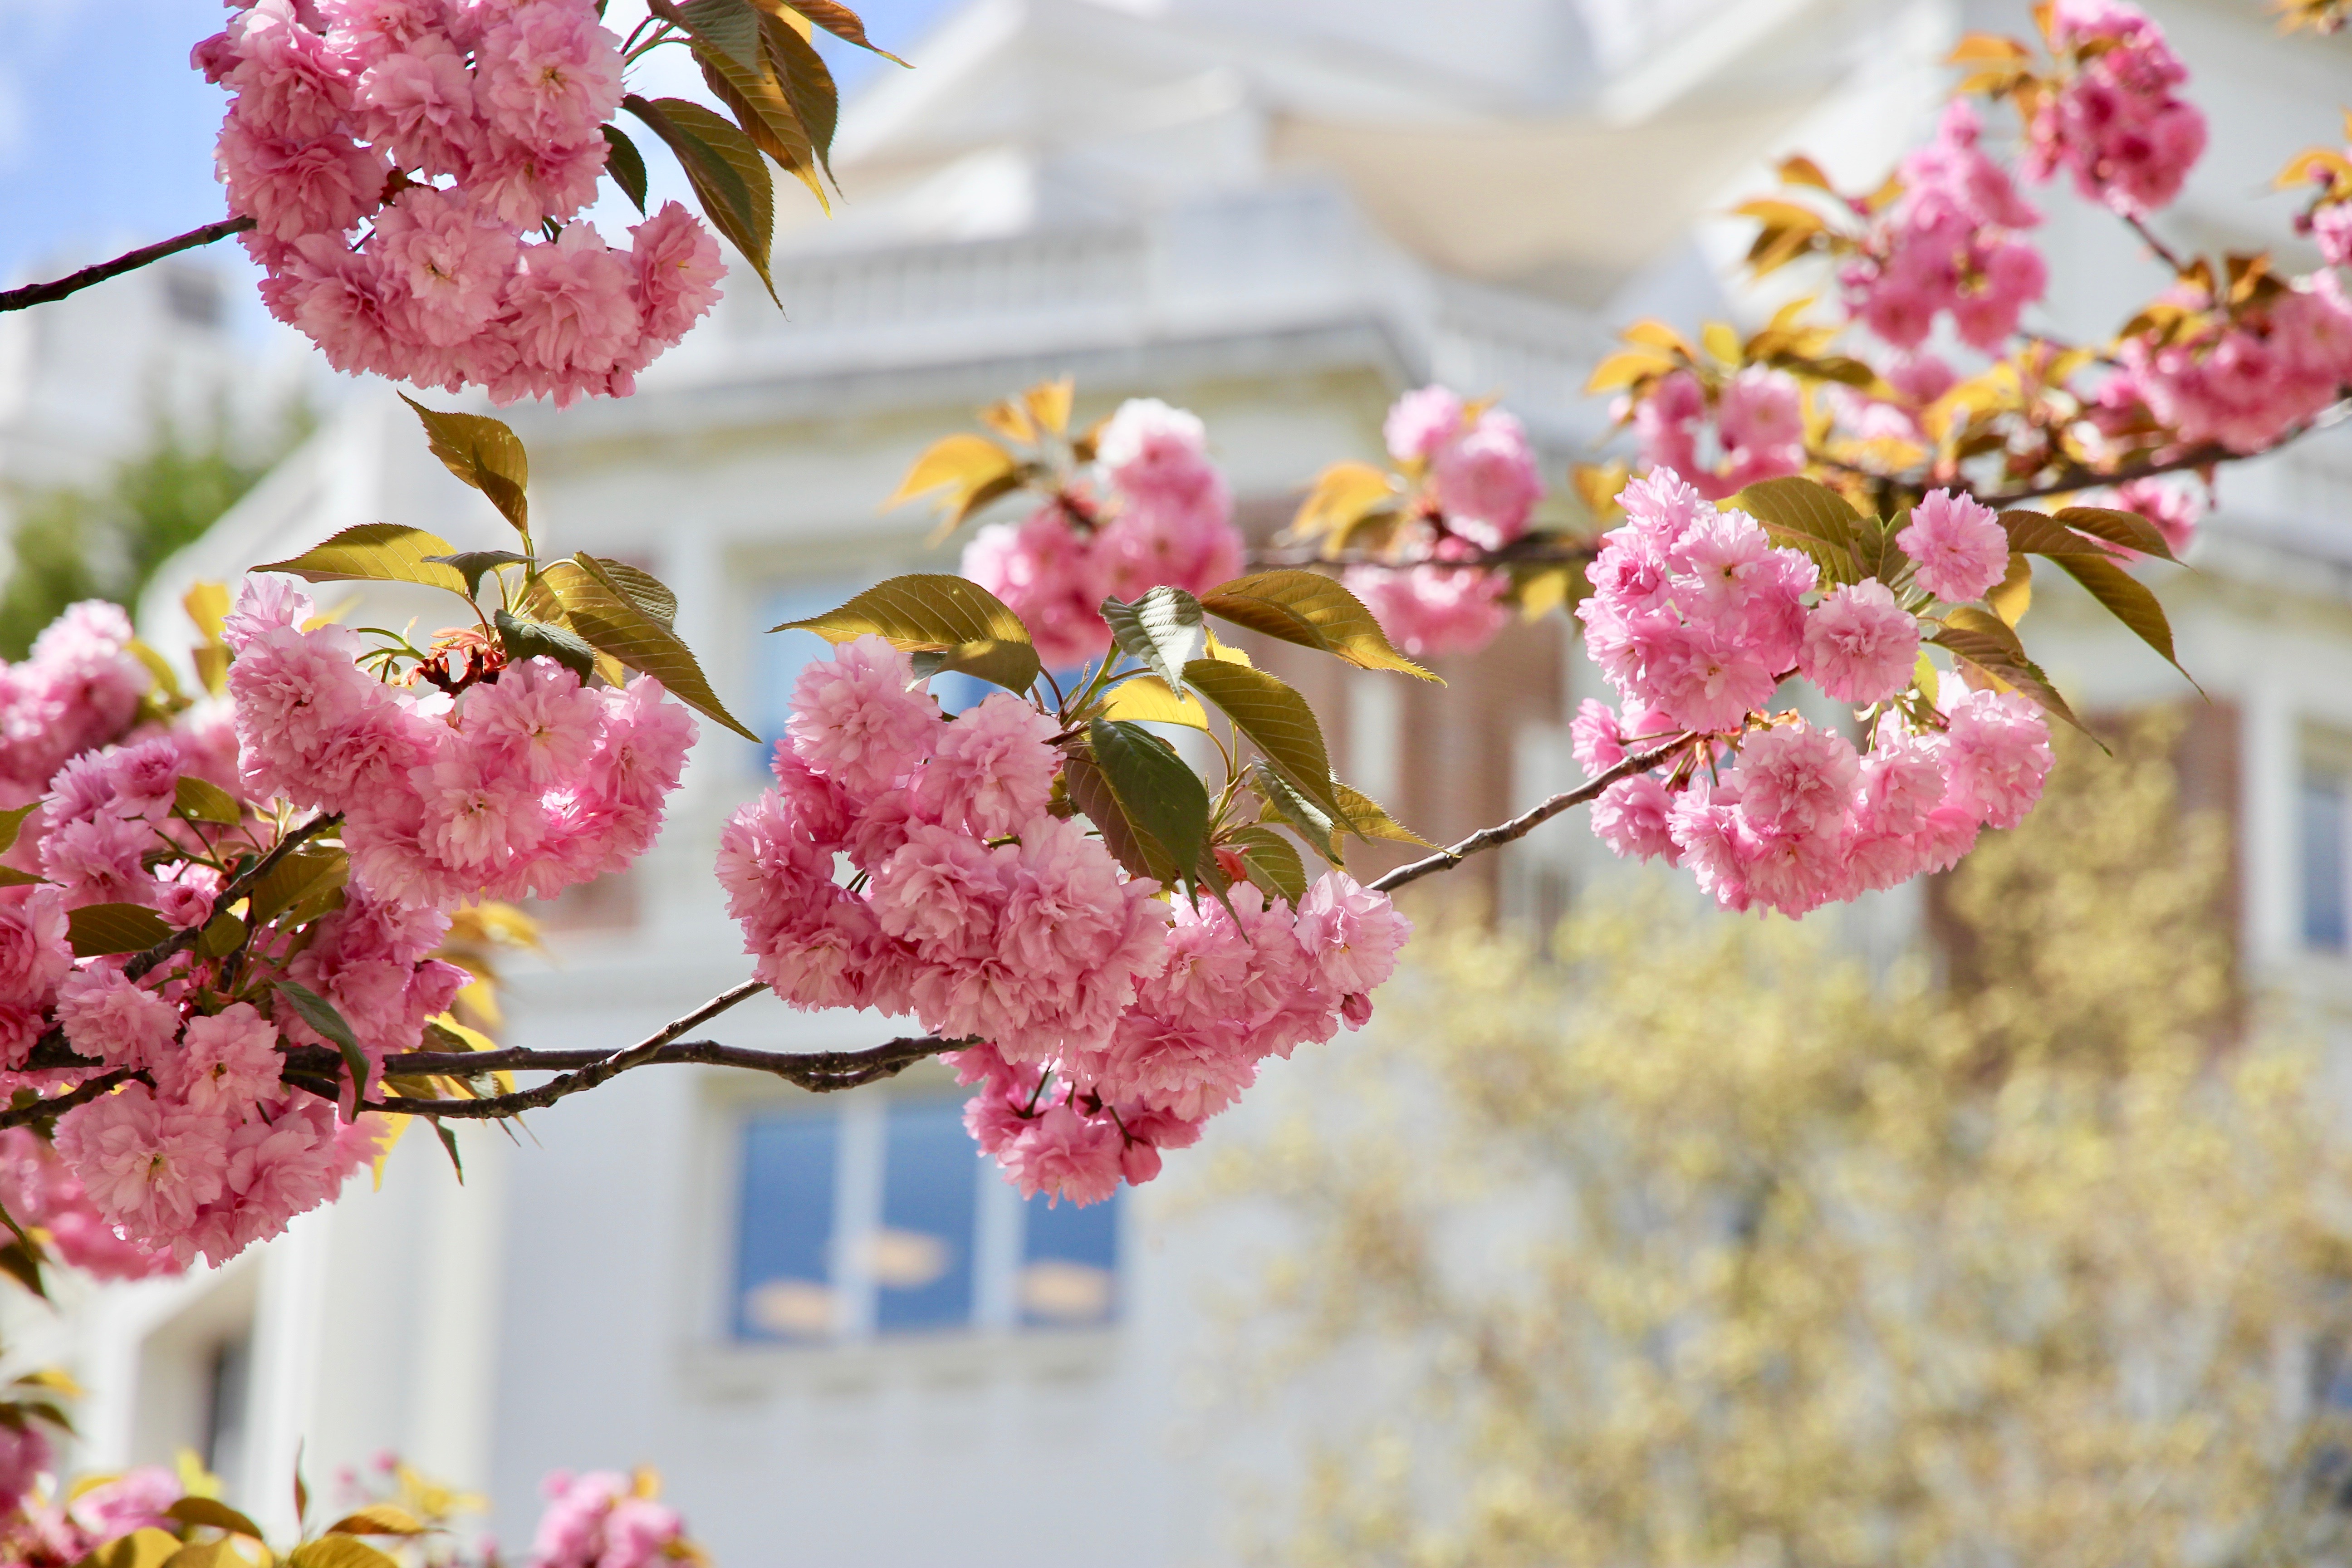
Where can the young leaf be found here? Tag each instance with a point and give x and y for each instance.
(2125, 527)
(1162, 799)
(219, 1515)
(2039, 533)
(376, 552)
(1283, 803)
(95, 930)
(1313, 611)
(1163, 629)
(471, 564)
(2128, 600)
(646, 592)
(1277, 721)
(1048, 402)
(1807, 515)
(377, 1518)
(605, 616)
(926, 613)
(1091, 793)
(146, 1547)
(972, 469)
(1983, 641)
(307, 874)
(1145, 699)
(13, 822)
(625, 164)
(205, 802)
(2013, 594)
(1367, 819)
(337, 1551)
(485, 454)
(730, 26)
(1270, 862)
(450, 1147)
(525, 638)
(755, 95)
(726, 172)
(808, 84)
(321, 1015)
(1344, 495)
(842, 23)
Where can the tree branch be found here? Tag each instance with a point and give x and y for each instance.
(1528, 821)
(80, 1094)
(243, 884)
(33, 294)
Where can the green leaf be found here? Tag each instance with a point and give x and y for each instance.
(376, 552)
(605, 616)
(1318, 828)
(807, 81)
(146, 1547)
(526, 638)
(1270, 861)
(20, 1263)
(1367, 819)
(305, 875)
(377, 1518)
(1163, 628)
(2128, 600)
(471, 564)
(13, 822)
(337, 1551)
(642, 589)
(625, 164)
(320, 1014)
(1987, 643)
(730, 26)
(2118, 527)
(2039, 533)
(450, 1147)
(1163, 800)
(95, 930)
(206, 1554)
(205, 801)
(12, 877)
(485, 454)
(725, 169)
(219, 1515)
(220, 936)
(929, 613)
(1277, 721)
(1313, 611)
(1091, 793)
(842, 23)
(1807, 515)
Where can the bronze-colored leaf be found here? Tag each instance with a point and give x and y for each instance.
(485, 454)
(1313, 611)
(96, 930)
(928, 612)
(376, 552)
(608, 620)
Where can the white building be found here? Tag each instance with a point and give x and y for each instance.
(841, 1341)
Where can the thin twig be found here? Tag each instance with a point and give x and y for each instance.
(33, 294)
(2165, 252)
(243, 884)
(1528, 821)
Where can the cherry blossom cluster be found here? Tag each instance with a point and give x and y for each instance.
(79, 688)
(1758, 424)
(1950, 246)
(1697, 619)
(599, 1519)
(2115, 120)
(1474, 486)
(2239, 374)
(348, 111)
(1111, 1022)
(1162, 515)
(480, 778)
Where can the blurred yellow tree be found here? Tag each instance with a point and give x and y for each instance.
(1695, 1243)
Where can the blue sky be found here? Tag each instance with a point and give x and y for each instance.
(106, 134)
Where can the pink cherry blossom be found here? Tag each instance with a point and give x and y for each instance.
(1860, 646)
(1045, 573)
(1420, 423)
(1997, 752)
(147, 1167)
(1486, 481)
(105, 1016)
(226, 1064)
(859, 718)
(1797, 779)
(1958, 546)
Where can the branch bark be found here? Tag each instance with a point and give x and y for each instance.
(33, 294)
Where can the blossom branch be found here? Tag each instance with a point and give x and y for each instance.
(33, 294)
(243, 884)
(31, 1111)
(1528, 821)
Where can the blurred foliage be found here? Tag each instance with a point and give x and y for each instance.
(1693, 1242)
(72, 543)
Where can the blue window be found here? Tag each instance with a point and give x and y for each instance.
(881, 1219)
(783, 1266)
(2322, 826)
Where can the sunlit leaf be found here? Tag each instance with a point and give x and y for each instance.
(2013, 594)
(219, 1515)
(1147, 700)
(1808, 516)
(524, 638)
(971, 469)
(376, 552)
(1318, 828)
(1367, 819)
(377, 1518)
(807, 82)
(608, 620)
(755, 95)
(205, 801)
(1313, 611)
(148, 1547)
(471, 564)
(1270, 861)
(95, 930)
(485, 454)
(648, 593)
(1985, 642)
(337, 1551)
(220, 937)
(726, 170)
(307, 874)
(1048, 402)
(842, 23)
(1343, 495)
(1275, 720)
(928, 612)
(2128, 600)
(2128, 529)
